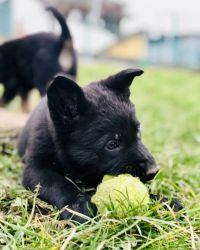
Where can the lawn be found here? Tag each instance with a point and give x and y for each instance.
(167, 103)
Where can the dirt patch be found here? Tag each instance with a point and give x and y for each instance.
(12, 120)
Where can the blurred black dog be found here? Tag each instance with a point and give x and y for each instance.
(32, 62)
(83, 134)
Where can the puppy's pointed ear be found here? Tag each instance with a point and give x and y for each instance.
(121, 81)
(66, 100)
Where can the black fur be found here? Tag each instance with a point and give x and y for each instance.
(83, 133)
(32, 61)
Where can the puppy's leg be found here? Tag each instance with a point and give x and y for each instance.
(25, 102)
(8, 95)
(42, 87)
(58, 191)
(41, 83)
(174, 203)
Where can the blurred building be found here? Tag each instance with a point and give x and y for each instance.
(180, 51)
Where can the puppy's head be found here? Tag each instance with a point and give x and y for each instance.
(100, 133)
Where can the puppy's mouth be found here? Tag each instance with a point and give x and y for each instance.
(143, 175)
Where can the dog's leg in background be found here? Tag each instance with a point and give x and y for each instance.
(10, 91)
(57, 190)
(25, 104)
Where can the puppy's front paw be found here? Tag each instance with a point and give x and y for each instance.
(175, 204)
(82, 205)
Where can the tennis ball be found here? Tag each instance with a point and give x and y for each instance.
(120, 194)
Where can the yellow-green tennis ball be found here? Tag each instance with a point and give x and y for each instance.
(121, 194)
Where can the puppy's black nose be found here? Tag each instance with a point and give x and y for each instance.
(152, 171)
(149, 170)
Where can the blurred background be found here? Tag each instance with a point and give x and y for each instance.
(146, 32)
(161, 37)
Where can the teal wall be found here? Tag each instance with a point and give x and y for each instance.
(5, 19)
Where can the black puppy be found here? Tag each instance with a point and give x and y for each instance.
(32, 62)
(83, 134)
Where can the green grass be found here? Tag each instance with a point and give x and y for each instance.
(167, 104)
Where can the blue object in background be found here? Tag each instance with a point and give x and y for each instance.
(181, 51)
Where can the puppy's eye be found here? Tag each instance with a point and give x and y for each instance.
(112, 144)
